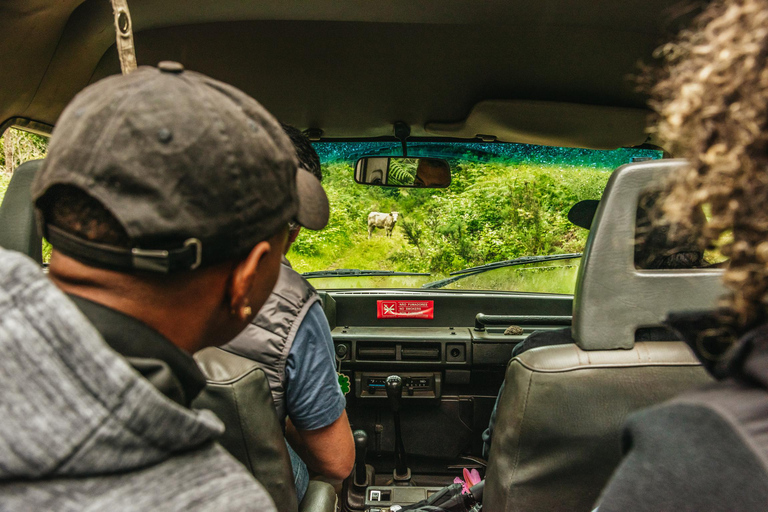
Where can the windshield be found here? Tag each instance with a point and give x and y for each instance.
(505, 201)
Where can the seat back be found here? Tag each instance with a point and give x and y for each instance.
(613, 298)
(238, 392)
(18, 228)
(557, 437)
(559, 421)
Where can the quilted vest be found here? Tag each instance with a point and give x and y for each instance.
(269, 337)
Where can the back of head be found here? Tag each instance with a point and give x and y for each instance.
(308, 157)
(163, 179)
(654, 247)
(657, 246)
(74, 211)
(195, 171)
(309, 160)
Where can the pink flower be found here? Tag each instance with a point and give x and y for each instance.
(470, 478)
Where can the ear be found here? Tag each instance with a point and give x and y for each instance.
(243, 278)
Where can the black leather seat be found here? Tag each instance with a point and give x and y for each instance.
(18, 231)
(557, 437)
(238, 392)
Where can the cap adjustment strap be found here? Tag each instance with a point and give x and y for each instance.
(160, 260)
(163, 261)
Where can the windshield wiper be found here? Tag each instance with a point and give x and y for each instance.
(354, 272)
(473, 271)
(518, 261)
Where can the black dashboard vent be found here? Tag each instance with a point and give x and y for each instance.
(376, 352)
(420, 352)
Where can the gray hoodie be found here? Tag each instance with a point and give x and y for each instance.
(80, 430)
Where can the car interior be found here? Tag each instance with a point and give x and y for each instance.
(563, 406)
(544, 72)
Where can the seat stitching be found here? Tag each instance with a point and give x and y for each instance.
(520, 437)
(640, 364)
(243, 427)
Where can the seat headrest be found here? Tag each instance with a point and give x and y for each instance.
(17, 214)
(613, 298)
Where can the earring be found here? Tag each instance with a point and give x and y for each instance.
(246, 311)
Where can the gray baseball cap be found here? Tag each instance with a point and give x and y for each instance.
(196, 171)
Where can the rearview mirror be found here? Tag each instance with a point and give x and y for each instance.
(400, 171)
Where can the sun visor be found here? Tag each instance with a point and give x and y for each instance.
(550, 123)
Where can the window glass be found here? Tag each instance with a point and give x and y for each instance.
(505, 201)
(17, 147)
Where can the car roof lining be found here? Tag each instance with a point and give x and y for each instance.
(550, 123)
(350, 68)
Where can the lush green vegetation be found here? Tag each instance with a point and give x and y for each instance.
(505, 201)
(402, 171)
(16, 147)
(493, 211)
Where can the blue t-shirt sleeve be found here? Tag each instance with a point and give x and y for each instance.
(313, 398)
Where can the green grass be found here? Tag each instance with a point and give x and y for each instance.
(550, 277)
(493, 211)
(362, 253)
(372, 282)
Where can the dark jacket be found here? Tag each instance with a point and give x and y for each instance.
(706, 449)
(269, 337)
(80, 430)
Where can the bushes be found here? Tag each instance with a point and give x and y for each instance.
(492, 212)
(501, 212)
(16, 147)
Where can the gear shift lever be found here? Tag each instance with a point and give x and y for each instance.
(394, 386)
(354, 487)
(361, 447)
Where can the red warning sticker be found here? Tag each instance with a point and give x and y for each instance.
(406, 309)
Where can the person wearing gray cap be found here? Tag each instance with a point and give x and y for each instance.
(291, 340)
(166, 196)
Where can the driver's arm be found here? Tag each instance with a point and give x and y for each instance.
(317, 426)
(329, 451)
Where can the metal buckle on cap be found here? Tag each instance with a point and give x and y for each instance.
(151, 260)
(159, 260)
(198, 251)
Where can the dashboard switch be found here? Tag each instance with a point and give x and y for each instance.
(455, 353)
(342, 349)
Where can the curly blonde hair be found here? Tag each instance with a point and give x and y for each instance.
(712, 106)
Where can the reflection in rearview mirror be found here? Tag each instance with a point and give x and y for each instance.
(398, 171)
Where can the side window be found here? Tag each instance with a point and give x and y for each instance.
(659, 246)
(17, 147)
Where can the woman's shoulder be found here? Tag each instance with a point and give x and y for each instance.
(695, 452)
(727, 419)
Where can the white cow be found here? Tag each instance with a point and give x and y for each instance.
(381, 220)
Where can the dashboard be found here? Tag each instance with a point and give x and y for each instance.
(451, 365)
